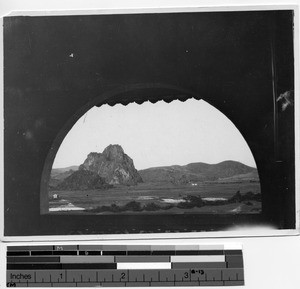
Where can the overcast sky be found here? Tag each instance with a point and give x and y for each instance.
(158, 134)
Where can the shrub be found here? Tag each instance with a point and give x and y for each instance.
(132, 206)
(99, 209)
(196, 201)
(152, 207)
(250, 196)
(236, 198)
(185, 205)
(168, 207)
(115, 208)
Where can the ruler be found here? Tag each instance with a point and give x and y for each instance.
(124, 266)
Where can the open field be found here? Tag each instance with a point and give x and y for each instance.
(164, 196)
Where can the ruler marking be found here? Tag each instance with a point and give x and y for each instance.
(213, 276)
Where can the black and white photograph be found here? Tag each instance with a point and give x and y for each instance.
(137, 122)
(164, 158)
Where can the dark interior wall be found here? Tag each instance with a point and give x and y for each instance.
(223, 57)
(285, 117)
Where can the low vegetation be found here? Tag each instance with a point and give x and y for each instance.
(189, 202)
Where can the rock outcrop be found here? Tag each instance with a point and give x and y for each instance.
(113, 165)
(83, 180)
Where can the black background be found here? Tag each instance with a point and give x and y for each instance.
(224, 58)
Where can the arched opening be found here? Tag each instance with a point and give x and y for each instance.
(214, 56)
(177, 155)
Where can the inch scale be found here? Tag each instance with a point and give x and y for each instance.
(124, 266)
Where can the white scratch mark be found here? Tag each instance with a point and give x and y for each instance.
(84, 117)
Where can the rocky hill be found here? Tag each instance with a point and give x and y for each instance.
(113, 165)
(83, 180)
(200, 172)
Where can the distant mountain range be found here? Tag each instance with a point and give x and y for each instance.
(229, 171)
(114, 167)
(62, 173)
